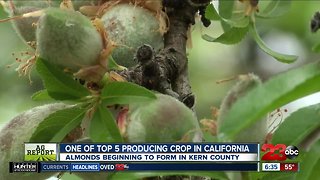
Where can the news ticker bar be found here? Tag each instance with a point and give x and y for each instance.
(293, 167)
(101, 167)
(150, 152)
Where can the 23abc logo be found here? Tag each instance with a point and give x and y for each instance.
(285, 152)
(121, 167)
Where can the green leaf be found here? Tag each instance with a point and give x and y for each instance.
(232, 36)
(41, 96)
(139, 175)
(225, 10)
(275, 93)
(211, 13)
(315, 173)
(301, 129)
(57, 125)
(103, 127)
(278, 176)
(257, 175)
(241, 22)
(61, 134)
(60, 86)
(278, 56)
(275, 9)
(113, 65)
(269, 7)
(316, 48)
(125, 93)
(310, 163)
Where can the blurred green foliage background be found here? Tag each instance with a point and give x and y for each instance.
(208, 62)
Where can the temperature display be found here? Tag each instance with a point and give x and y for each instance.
(289, 167)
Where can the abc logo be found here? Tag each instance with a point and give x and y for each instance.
(291, 152)
(279, 152)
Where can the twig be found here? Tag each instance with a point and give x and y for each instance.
(167, 70)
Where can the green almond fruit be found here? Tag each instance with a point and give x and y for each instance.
(77, 4)
(130, 27)
(18, 131)
(68, 39)
(25, 26)
(163, 120)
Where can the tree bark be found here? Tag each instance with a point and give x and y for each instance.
(167, 70)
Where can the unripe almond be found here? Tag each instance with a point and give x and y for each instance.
(25, 27)
(18, 131)
(130, 27)
(255, 132)
(68, 39)
(163, 120)
(77, 4)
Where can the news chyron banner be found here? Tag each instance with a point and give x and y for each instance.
(159, 152)
(52, 157)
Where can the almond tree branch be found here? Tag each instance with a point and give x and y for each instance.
(167, 71)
